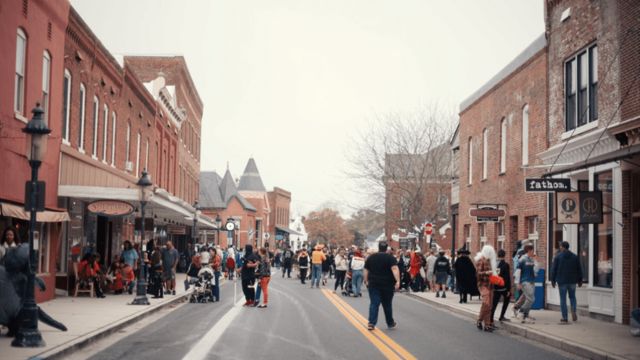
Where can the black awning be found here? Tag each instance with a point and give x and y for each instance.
(620, 154)
(287, 230)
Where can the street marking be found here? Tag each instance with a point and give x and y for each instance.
(206, 343)
(364, 322)
(384, 349)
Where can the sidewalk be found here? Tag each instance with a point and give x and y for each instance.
(590, 338)
(87, 320)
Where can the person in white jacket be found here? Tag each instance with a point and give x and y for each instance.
(342, 265)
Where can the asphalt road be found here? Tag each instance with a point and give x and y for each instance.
(304, 323)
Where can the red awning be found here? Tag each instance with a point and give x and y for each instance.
(18, 212)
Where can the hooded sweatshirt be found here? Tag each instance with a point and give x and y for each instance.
(248, 273)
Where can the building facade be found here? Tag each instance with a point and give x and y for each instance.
(278, 230)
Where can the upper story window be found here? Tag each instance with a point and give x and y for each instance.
(525, 135)
(470, 160)
(128, 143)
(113, 138)
(21, 54)
(581, 88)
(105, 132)
(94, 153)
(503, 146)
(66, 105)
(138, 155)
(46, 79)
(83, 99)
(485, 152)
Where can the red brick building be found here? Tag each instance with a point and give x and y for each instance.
(279, 217)
(594, 140)
(502, 128)
(32, 35)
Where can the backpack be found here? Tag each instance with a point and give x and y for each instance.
(230, 263)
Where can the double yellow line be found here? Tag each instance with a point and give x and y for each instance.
(389, 348)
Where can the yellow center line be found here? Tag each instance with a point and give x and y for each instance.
(363, 324)
(384, 349)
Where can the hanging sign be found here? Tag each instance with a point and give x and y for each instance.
(110, 208)
(579, 207)
(487, 214)
(547, 185)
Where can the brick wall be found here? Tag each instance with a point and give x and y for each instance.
(630, 57)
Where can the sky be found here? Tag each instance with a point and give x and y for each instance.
(291, 82)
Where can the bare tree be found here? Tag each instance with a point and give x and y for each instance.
(404, 159)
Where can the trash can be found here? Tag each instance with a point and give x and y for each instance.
(539, 292)
(635, 322)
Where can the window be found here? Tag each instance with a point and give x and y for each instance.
(503, 146)
(404, 211)
(21, 54)
(532, 230)
(105, 131)
(603, 233)
(94, 151)
(470, 163)
(485, 152)
(146, 157)
(500, 234)
(482, 233)
(113, 139)
(138, 155)
(83, 99)
(581, 88)
(467, 236)
(66, 105)
(128, 143)
(46, 79)
(525, 135)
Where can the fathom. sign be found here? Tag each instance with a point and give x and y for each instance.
(547, 185)
(110, 208)
(579, 207)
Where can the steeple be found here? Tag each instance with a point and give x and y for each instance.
(250, 180)
(227, 186)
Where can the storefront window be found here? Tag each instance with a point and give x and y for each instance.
(41, 245)
(603, 236)
(583, 239)
(75, 229)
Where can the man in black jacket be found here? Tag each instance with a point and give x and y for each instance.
(442, 270)
(503, 292)
(566, 272)
(287, 262)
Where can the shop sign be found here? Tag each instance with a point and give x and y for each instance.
(176, 229)
(547, 185)
(110, 208)
(487, 214)
(579, 207)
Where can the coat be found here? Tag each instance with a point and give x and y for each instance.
(566, 268)
(466, 276)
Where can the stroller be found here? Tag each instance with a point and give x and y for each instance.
(348, 290)
(203, 286)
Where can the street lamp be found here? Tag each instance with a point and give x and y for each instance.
(36, 130)
(194, 232)
(218, 224)
(141, 290)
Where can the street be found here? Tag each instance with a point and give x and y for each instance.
(304, 323)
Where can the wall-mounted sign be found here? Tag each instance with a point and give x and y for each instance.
(174, 229)
(547, 185)
(487, 214)
(110, 208)
(579, 207)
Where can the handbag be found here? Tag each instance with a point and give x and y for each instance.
(496, 280)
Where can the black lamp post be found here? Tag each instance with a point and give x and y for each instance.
(218, 224)
(194, 232)
(141, 290)
(28, 334)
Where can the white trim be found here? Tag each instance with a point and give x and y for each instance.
(83, 111)
(105, 132)
(525, 135)
(114, 120)
(579, 130)
(19, 94)
(485, 153)
(67, 115)
(46, 84)
(503, 145)
(96, 123)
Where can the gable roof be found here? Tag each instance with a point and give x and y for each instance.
(250, 180)
(217, 192)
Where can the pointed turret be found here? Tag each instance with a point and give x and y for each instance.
(250, 180)
(227, 186)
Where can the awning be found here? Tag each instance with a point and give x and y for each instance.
(620, 154)
(287, 230)
(18, 212)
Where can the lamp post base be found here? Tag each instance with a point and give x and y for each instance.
(140, 300)
(141, 290)
(28, 338)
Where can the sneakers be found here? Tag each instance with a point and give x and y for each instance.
(504, 320)
(574, 316)
(564, 322)
(528, 320)
(262, 306)
(515, 312)
(370, 327)
(444, 294)
(393, 326)
(173, 292)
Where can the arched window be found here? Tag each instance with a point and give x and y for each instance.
(503, 146)
(66, 106)
(46, 80)
(105, 132)
(485, 152)
(113, 138)
(83, 99)
(525, 135)
(470, 162)
(21, 59)
(96, 103)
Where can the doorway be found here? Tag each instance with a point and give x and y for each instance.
(104, 239)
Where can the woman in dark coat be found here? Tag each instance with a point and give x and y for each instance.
(466, 276)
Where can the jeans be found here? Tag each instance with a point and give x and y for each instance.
(356, 281)
(571, 289)
(216, 285)
(286, 268)
(528, 291)
(316, 274)
(340, 274)
(249, 292)
(303, 275)
(380, 296)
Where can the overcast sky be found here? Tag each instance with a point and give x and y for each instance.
(289, 81)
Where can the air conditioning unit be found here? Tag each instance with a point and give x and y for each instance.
(128, 165)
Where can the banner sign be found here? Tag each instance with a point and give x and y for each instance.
(176, 229)
(110, 208)
(547, 185)
(487, 214)
(579, 207)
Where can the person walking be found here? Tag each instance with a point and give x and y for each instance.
(303, 265)
(441, 269)
(216, 266)
(382, 278)
(287, 261)
(342, 265)
(502, 292)
(264, 276)
(429, 270)
(526, 269)
(170, 258)
(465, 275)
(317, 257)
(566, 272)
(485, 267)
(357, 268)
(250, 262)
(230, 263)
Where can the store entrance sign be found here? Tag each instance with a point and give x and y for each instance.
(547, 185)
(579, 207)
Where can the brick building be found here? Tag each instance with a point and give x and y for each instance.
(502, 128)
(32, 35)
(279, 217)
(594, 140)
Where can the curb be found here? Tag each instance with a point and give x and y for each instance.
(61, 350)
(531, 334)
